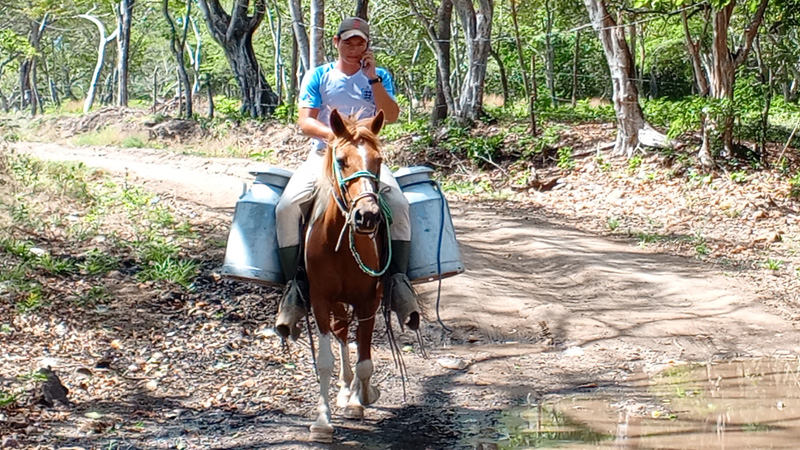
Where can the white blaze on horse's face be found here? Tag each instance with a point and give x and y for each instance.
(365, 210)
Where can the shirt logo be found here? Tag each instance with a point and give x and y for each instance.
(366, 94)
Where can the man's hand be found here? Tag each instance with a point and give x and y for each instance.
(368, 65)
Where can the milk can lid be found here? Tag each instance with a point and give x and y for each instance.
(413, 174)
(274, 176)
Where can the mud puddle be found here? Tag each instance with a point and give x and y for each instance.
(734, 405)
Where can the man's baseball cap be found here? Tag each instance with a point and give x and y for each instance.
(353, 26)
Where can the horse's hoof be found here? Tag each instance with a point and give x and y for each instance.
(354, 412)
(321, 434)
(343, 398)
(372, 396)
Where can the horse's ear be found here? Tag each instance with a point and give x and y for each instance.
(337, 124)
(377, 123)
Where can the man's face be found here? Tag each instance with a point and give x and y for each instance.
(351, 50)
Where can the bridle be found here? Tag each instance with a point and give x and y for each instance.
(347, 208)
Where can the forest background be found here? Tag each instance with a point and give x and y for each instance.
(714, 73)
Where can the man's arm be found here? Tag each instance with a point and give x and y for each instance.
(311, 126)
(383, 101)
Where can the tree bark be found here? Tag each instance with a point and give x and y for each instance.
(630, 118)
(439, 34)
(575, 62)
(317, 33)
(525, 78)
(694, 55)
(101, 56)
(275, 31)
(503, 78)
(300, 33)
(30, 95)
(722, 77)
(234, 33)
(124, 12)
(178, 46)
(477, 26)
(361, 9)
(550, 54)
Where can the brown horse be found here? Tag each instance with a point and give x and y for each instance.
(346, 246)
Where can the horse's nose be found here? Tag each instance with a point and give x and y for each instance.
(367, 217)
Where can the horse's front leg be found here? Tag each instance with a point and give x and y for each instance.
(362, 393)
(321, 429)
(340, 329)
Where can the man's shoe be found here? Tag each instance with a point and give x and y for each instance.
(403, 301)
(291, 310)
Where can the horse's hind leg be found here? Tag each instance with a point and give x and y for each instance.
(362, 393)
(321, 429)
(340, 329)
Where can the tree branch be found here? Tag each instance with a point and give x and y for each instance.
(239, 11)
(750, 34)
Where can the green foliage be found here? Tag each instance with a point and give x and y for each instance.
(228, 107)
(773, 264)
(7, 399)
(738, 176)
(55, 265)
(30, 301)
(98, 263)
(612, 223)
(794, 186)
(182, 272)
(634, 163)
(677, 116)
(565, 158)
(584, 111)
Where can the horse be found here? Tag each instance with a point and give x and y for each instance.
(348, 213)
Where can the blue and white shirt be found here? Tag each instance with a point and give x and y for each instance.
(326, 88)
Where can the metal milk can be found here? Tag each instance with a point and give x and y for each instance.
(434, 249)
(252, 250)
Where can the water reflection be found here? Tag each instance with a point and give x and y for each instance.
(752, 404)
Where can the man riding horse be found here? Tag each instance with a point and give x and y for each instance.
(354, 86)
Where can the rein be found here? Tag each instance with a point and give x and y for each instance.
(346, 210)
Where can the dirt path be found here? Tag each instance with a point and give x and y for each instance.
(543, 310)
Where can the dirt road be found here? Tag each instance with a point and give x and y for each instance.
(543, 310)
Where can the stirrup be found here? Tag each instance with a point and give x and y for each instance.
(403, 301)
(291, 310)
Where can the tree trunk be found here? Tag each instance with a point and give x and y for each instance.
(694, 55)
(195, 57)
(178, 46)
(101, 56)
(317, 33)
(361, 9)
(440, 41)
(550, 54)
(234, 33)
(124, 16)
(30, 94)
(477, 36)
(526, 85)
(722, 76)
(210, 98)
(293, 74)
(767, 80)
(275, 31)
(575, 62)
(503, 78)
(300, 33)
(630, 118)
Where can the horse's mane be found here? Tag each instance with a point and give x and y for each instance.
(360, 131)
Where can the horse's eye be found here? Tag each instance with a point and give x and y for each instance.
(341, 162)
